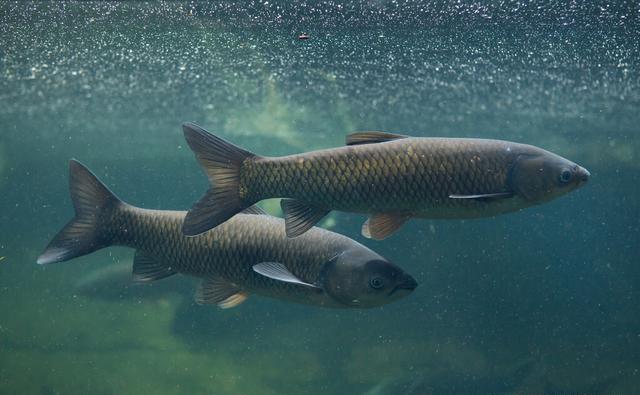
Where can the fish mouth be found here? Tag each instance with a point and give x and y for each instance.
(409, 284)
(583, 175)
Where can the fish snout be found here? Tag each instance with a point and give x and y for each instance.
(404, 287)
(408, 283)
(583, 175)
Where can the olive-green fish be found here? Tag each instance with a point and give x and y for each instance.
(248, 254)
(391, 177)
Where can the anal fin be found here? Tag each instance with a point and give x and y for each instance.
(299, 217)
(147, 269)
(233, 300)
(379, 226)
(218, 291)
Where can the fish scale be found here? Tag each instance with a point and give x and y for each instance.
(395, 175)
(230, 251)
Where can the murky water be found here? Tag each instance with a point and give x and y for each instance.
(540, 301)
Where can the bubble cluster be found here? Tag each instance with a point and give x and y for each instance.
(516, 70)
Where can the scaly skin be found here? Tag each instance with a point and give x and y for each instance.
(412, 175)
(392, 177)
(230, 250)
(250, 253)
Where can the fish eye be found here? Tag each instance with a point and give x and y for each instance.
(376, 283)
(565, 176)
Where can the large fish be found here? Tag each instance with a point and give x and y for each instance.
(389, 176)
(249, 254)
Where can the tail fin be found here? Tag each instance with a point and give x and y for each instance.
(221, 161)
(84, 233)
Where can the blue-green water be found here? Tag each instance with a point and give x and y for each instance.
(540, 301)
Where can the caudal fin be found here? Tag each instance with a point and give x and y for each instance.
(93, 202)
(221, 162)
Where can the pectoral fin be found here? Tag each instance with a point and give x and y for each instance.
(499, 195)
(147, 269)
(299, 217)
(277, 271)
(218, 291)
(372, 137)
(382, 225)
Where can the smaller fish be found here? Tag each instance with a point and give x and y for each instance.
(251, 254)
(304, 36)
(2, 258)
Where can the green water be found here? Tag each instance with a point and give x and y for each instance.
(540, 301)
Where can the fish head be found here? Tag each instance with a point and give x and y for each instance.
(361, 278)
(539, 176)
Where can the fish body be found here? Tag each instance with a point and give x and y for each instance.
(248, 254)
(391, 177)
(230, 251)
(414, 175)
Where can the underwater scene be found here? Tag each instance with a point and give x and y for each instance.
(519, 277)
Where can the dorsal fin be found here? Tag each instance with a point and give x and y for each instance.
(373, 137)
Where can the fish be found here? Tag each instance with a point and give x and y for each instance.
(391, 177)
(250, 254)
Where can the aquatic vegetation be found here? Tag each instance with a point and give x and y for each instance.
(272, 118)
